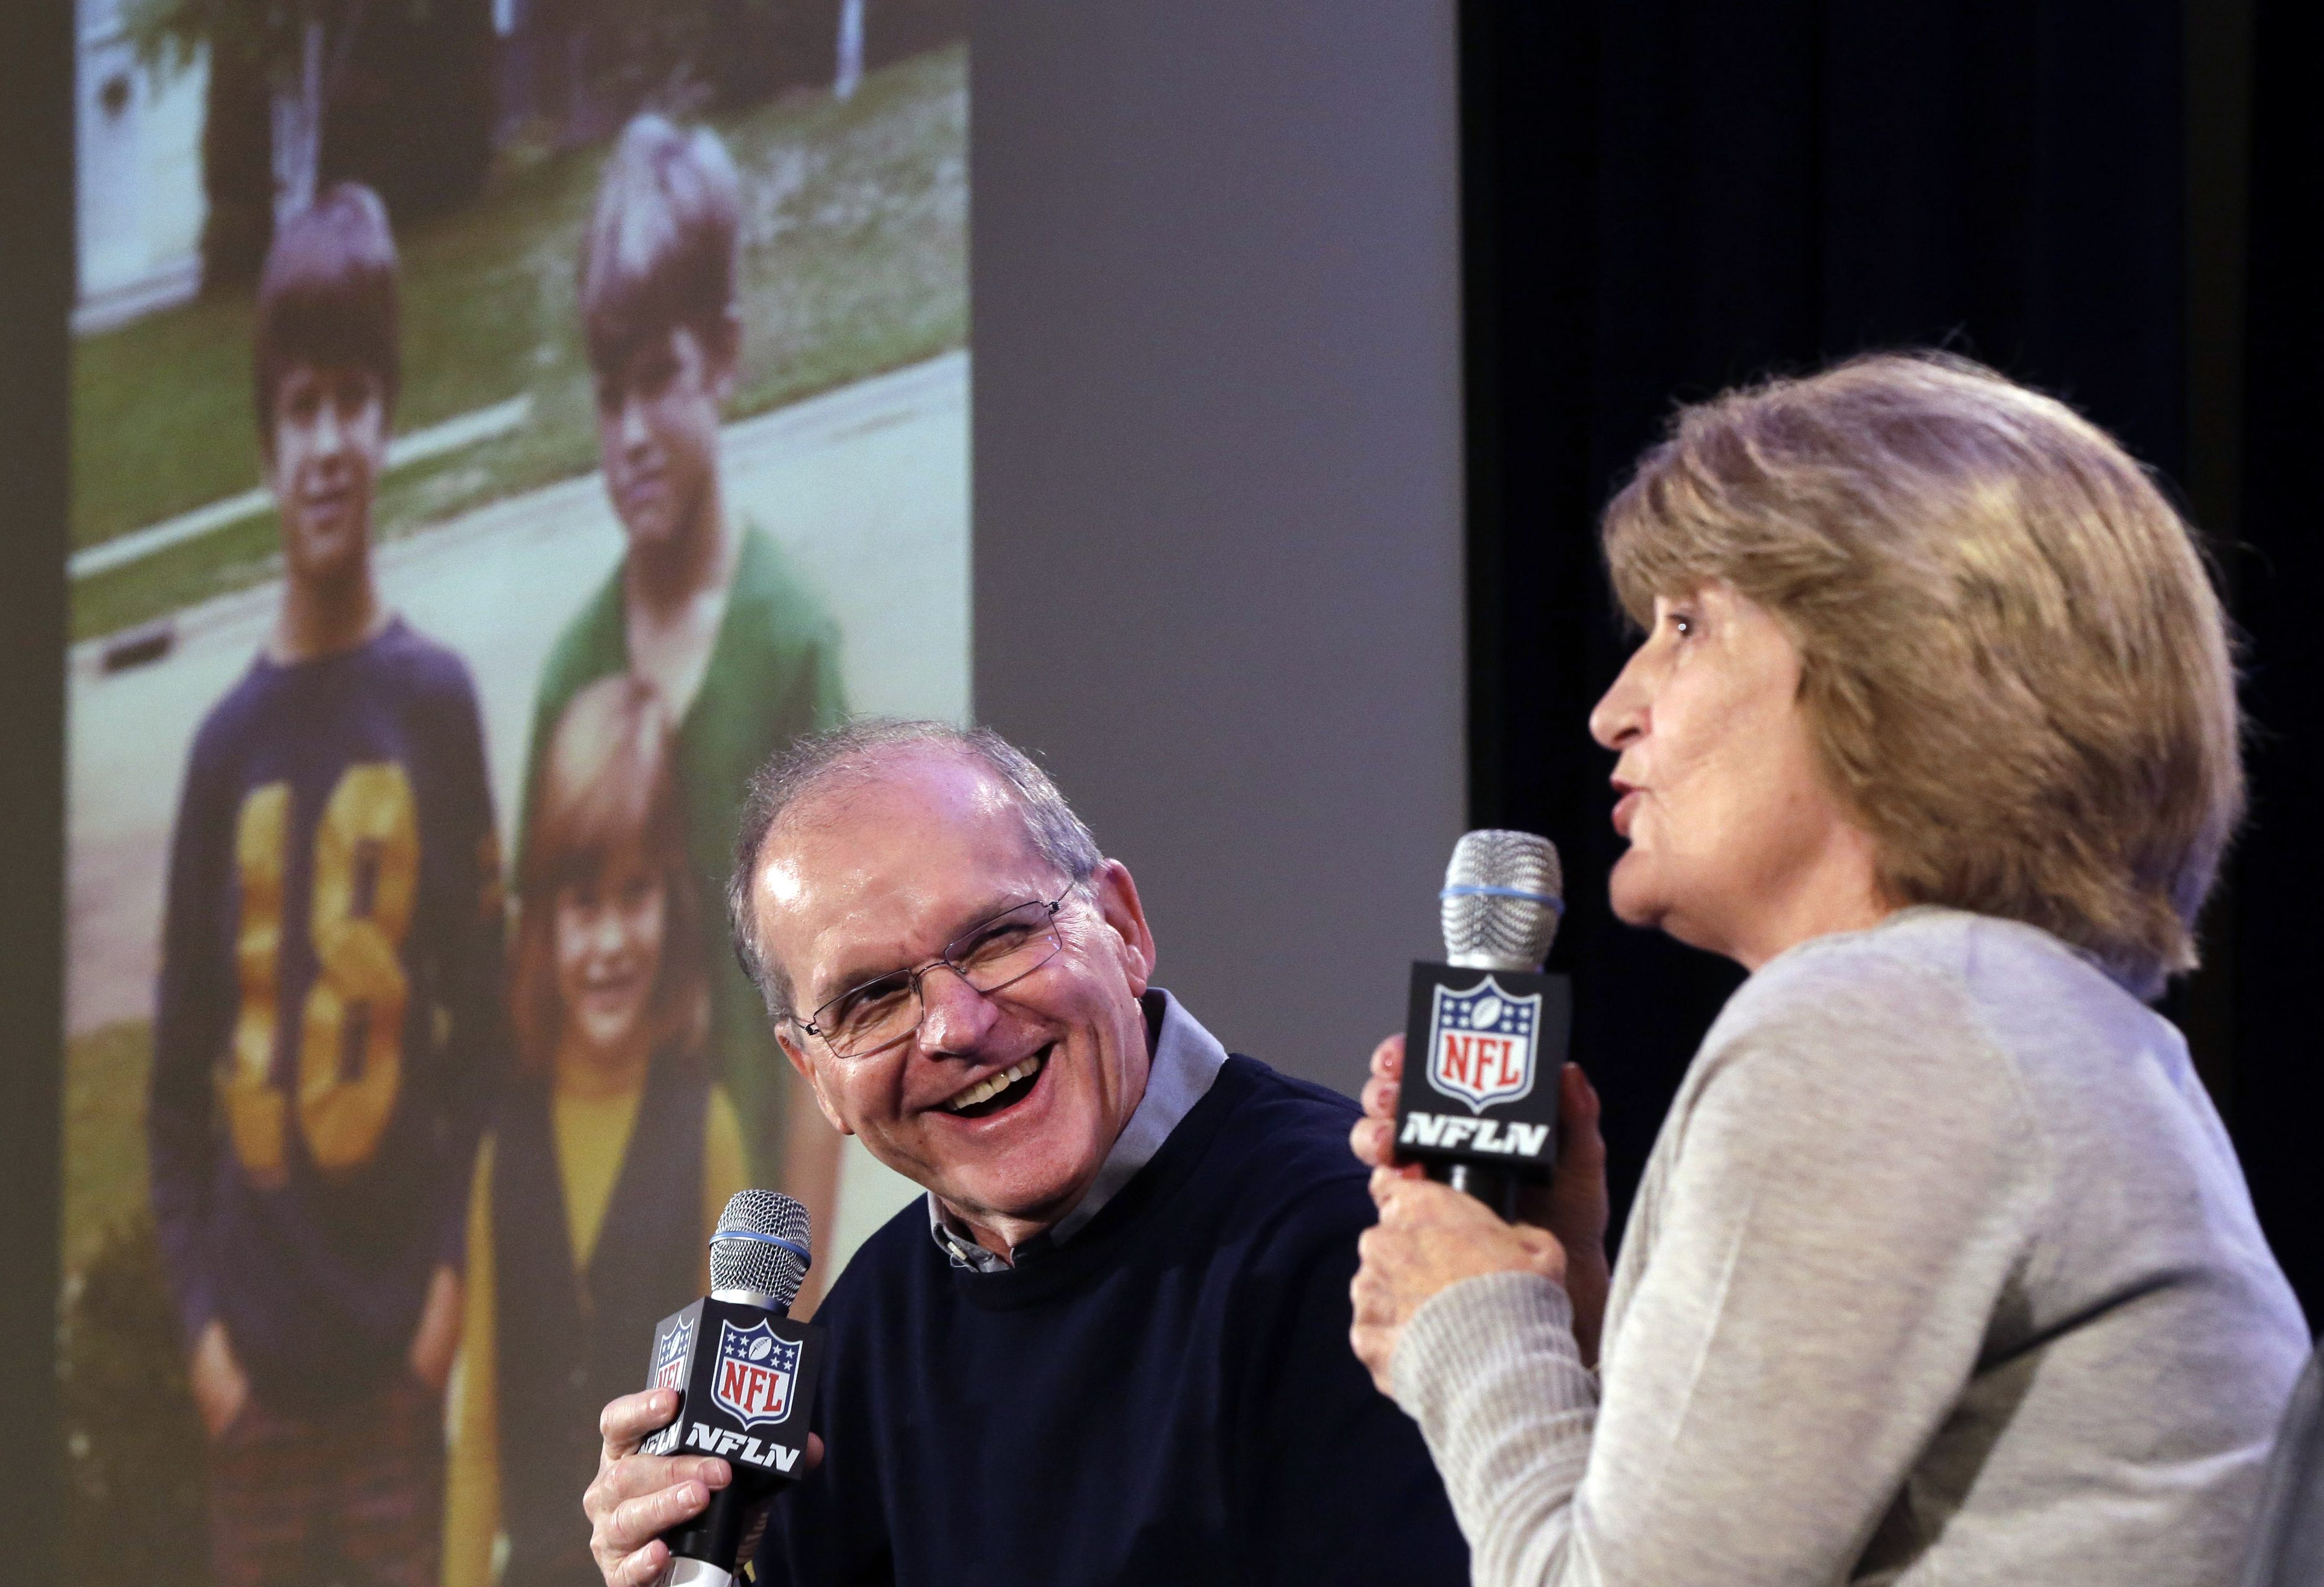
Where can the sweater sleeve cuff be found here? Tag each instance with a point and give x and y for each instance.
(1489, 1369)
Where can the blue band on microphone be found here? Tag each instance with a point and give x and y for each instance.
(1474, 890)
(806, 1257)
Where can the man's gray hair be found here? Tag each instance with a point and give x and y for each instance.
(855, 753)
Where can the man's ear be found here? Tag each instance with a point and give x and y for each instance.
(787, 1038)
(1115, 892)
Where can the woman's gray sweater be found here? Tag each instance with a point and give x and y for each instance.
(1942, 1271)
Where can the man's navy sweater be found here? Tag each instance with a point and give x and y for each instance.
(1166, 1397)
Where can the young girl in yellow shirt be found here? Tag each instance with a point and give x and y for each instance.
(608, 1161)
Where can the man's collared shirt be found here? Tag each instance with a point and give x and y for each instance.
(1187, 1059)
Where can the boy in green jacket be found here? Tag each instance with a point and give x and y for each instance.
(703, 605)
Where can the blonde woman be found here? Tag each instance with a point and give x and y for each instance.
(1942, 1268)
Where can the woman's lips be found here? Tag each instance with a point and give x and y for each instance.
(1623, 808)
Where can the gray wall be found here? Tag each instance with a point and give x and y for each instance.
(1218, 500)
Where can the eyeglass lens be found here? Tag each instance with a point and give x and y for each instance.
(1006, 948)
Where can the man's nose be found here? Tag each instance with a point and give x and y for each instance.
(954, 1015)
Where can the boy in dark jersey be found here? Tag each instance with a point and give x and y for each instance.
(703, 605)
(329, 1012)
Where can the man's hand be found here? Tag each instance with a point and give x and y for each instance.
(1572, 1208)
(437, 1338)
(636, 1497)
(220, 1388)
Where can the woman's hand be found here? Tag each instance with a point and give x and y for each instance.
(1429, 1237)
(1572, 1208)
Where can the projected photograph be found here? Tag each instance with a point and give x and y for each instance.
(497, 426)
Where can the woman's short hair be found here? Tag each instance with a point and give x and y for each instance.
(2015, 673)
(608, 785)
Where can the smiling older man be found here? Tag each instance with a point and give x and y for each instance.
(1111, 1347)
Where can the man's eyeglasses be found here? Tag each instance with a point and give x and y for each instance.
(887, 1009)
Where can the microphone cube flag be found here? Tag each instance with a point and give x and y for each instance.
(744, 1378)
(1482, 1049)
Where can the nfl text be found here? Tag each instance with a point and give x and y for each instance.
(1507, 1138)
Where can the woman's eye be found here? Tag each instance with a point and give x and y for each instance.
(1682, 624)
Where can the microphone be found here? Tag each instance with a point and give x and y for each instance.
(1482, 1051)
(744, 1373)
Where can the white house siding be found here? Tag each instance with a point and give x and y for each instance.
(139, 174)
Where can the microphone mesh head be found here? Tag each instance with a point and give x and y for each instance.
(1509, 928)
(741, 1262)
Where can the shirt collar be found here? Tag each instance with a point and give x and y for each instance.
(1187, 1059)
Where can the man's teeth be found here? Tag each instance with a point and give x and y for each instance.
(993, 1085)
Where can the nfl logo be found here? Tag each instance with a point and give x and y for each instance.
(670, 1360)
(1480, 1044)
(672, 1346)
(755, 1373)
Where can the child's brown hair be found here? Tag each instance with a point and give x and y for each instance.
(660, 250)
(608, 778)
(326, 297)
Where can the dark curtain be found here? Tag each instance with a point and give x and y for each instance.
(2277, 879)
(1662, 199)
